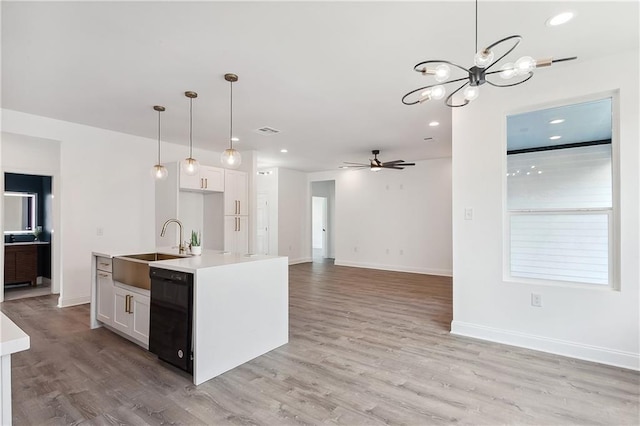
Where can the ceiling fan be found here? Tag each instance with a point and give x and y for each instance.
(376, 165)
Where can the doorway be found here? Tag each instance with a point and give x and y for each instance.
(322, 220)
(319, 227)
(28, 226)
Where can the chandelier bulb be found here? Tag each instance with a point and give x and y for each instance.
(525, 65)
(471, 93)
(231, 158)
(483, 58)
(442, 72)
(508, 71)
(438, 92)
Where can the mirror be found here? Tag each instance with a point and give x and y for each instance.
(19, 212)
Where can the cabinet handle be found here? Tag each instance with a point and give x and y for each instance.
(237, 207)
(238, 224)
(201, 183)
(103, 275)
(130, 307)
(126, 303)
(206, 183)
(104, 264)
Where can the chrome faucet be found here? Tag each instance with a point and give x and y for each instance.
(180, 243)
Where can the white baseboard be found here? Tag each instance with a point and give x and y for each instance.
(300, 260)
(65, 303)
(597, 354)
(396, 268)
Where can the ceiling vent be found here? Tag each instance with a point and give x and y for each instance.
(267, 131)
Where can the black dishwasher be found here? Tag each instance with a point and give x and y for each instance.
(170, 329)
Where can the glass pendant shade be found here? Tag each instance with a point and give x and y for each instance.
(159, 172)
(190, 166)
(231, 158)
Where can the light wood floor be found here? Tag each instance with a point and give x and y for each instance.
(366, 347)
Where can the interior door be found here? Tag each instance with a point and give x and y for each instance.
(262, 246)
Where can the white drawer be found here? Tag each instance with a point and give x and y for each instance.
(103, 263)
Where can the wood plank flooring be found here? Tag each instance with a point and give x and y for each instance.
(366, 348)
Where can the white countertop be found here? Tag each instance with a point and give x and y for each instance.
(208, 259)
(12, 338)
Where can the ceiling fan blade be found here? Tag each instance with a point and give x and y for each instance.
(356, 164)
(404, 164)
(393, 167)
(394, 162)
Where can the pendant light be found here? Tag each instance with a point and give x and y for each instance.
(190, 165)
(159, 171)
(230, 157)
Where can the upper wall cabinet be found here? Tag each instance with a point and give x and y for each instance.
(209, 179)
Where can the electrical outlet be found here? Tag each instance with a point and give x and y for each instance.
(536, 300)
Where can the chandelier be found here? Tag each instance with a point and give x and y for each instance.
(478, 74)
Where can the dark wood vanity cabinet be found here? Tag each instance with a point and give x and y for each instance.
(21, 264)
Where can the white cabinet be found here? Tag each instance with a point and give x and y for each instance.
(104, 290)
(236, 193)
(236, 210)
(132, 312)
(208, 179)
(236, 234)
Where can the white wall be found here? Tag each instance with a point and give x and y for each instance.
(394, 220)
(105, 182)
(294, 216)
(583, 322)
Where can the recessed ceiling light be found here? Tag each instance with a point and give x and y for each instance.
(235, 140)
(554, 138)
(434, 124)
(557, 121)
(559, 19)
(284, 151)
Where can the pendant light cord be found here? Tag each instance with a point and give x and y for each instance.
(158, 137)
(190, 127)
(231, 117)
(476, 27)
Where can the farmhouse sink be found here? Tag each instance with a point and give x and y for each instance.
(133, 269)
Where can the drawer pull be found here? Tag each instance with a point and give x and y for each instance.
(103, 275)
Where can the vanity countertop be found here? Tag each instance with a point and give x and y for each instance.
(26, 243)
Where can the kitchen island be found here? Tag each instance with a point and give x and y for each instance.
(240, 307)
(12, 340)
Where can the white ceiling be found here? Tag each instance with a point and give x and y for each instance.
(328, 75)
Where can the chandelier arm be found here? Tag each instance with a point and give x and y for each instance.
(510, 84)
(518, 40)
(428, 87)
(466, 101)
(438, 61)
(564, 59)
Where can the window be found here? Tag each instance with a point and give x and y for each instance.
(560, 194)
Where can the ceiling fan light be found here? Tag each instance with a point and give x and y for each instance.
(559, 19)
(483, 58)
(525, 65)
(471, 93)
(375, 168)
(442, 72)
(159, 172)
(231, 158)
(508, 71)
(438, 92)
